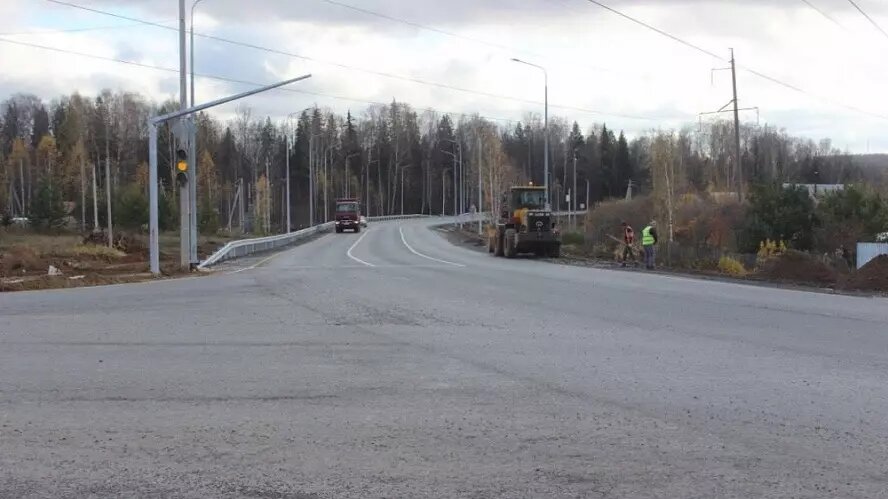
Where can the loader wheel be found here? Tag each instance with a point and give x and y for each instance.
(509, 243)
(497, 244)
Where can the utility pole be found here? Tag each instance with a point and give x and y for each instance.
(192, 155)
(738, 163)
(738, 167)
(184, 189)
(108, 179)
(94, 193)
(480, 189)
(268, 192)
(311, 186)
(288, 183)
(573, 195)
(326, 204)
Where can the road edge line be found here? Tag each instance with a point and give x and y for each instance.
(355, 245)
(417, 253)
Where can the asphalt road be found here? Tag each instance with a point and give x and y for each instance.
(392, 364)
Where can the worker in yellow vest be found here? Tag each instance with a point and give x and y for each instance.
(649, 242)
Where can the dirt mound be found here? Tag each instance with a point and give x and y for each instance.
(871, 277)
(20, 259)
(794, 266)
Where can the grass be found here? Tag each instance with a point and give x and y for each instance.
(99, 252)
(42, 244)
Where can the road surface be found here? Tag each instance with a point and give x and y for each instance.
(392, 364)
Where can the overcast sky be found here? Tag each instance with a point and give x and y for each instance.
(602, 68)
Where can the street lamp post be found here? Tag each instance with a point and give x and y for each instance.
(545, 123)
(287, 180)
(455, 189)
(455, 161)
(193, 5)
(403, 171)
(444, 186)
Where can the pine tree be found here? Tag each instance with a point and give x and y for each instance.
(607, 155)
(47, 209)
(623, 170)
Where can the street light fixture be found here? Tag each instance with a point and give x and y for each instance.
(545, 122)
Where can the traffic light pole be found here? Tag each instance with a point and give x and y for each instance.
(185, 141)
(153, 123)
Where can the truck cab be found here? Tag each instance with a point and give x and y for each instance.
(348, 215)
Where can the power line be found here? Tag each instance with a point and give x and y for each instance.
(823, 13)
(452, 34)
(73, 30)
(363, 70)
(870, 19)
(232, 80)
(748, 70)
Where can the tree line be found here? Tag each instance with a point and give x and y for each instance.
(87, 157)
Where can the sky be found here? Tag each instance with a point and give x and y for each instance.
(456, 56)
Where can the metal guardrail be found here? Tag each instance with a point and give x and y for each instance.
(243, 247)
(394, 217)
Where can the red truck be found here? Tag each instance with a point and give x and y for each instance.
(348, 215)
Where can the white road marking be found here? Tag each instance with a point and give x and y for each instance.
(353, 246)
(251, 267)
(417, 253)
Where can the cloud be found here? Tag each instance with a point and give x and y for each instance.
(596, 60)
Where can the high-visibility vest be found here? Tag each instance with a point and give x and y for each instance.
(647, 239)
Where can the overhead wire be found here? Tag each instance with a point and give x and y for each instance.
(74, 30)
(823, 13)
(751, 71)
(868, 18)
(452, 34)
(232, 80)
(348, 67)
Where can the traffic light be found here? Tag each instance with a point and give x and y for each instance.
(181, 166)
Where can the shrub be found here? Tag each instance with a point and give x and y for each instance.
(47, 208)
(731, 267)
(131, 207)
(573, 238)
(208, 217)
(604, 219)
(769, 249)
(779, 214)
(850, 216)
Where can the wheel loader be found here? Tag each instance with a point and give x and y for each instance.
(525, 224)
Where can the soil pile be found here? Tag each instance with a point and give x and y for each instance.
(20, 259)
(797, 267)
(871, 277)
